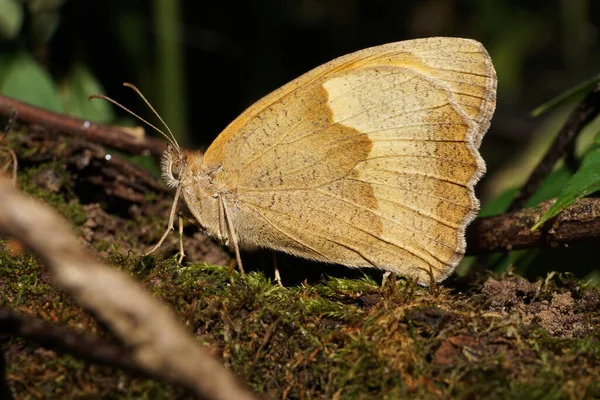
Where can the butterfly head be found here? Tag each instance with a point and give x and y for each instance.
(173, 159)
(172, 166)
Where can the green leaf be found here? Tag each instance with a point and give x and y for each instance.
(567, 96)
(24, 79)
(74, 92)
(552, 186)
(11, 18)
(585, 181)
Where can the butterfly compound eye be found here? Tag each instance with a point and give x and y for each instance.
(176, 167)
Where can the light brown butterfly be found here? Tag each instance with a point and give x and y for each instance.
(366, 161)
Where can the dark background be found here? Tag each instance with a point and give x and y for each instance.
(236, 52)
(204, 65)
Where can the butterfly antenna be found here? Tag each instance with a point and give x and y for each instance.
(131, 86)
(171, 139)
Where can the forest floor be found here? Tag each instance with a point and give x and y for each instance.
(329, 332)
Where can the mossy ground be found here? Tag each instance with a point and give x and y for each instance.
(330, 337)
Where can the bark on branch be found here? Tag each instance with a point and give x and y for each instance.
(98, 133)
(59, 338)
(512, 231)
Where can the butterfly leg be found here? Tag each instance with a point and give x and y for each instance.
(276, 267)
(170, 225)
(386, 276)
(432, 283)
(238, 259)
(232, 236)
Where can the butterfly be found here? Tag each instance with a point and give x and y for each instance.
(369, 160)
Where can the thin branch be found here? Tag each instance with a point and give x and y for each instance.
(579, 222)
(583, 114)
(98, 133)
(150, 331)
(58, 338)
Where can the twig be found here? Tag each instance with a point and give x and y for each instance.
(156, 341)
(582, 115)
(59, 338)
(97, 133)
(113, 174)
(579, 222)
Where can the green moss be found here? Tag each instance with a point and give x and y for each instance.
(588, 347)
(320, 341)
(20, 275)
(67, 204)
